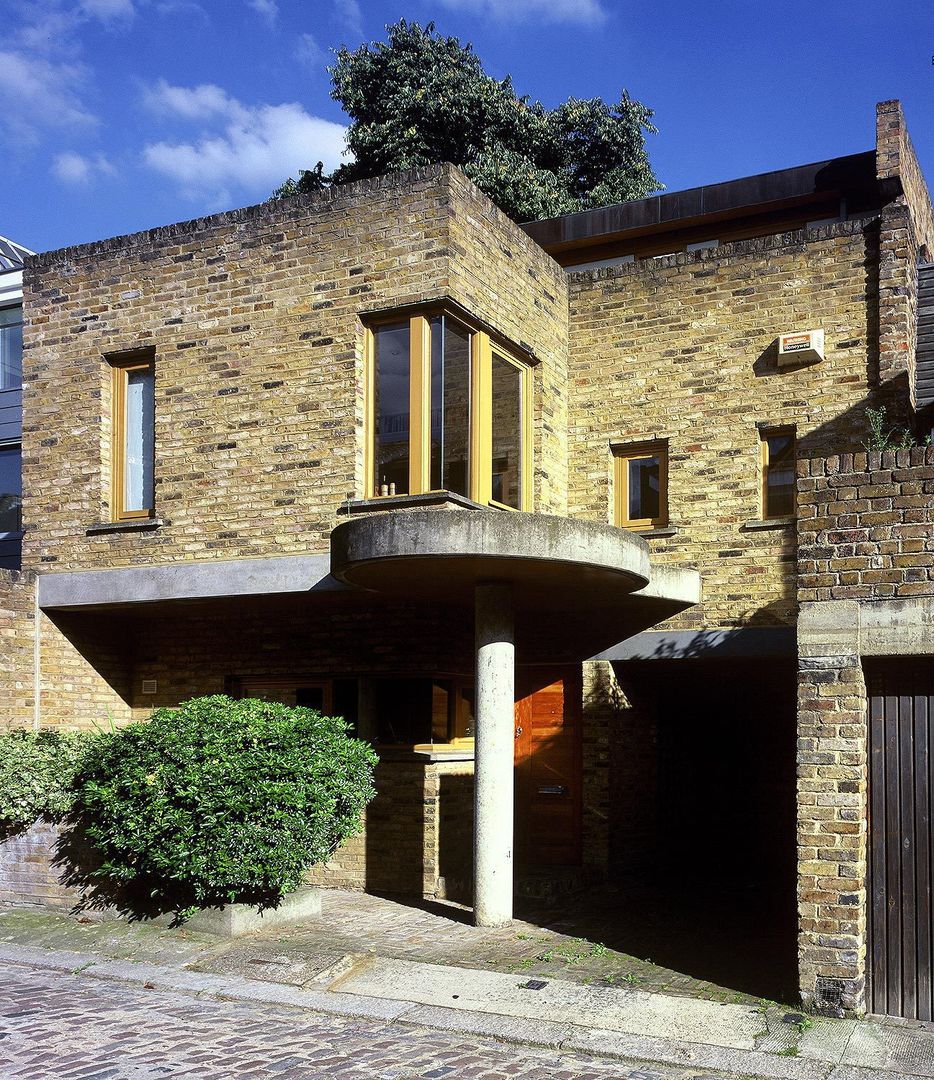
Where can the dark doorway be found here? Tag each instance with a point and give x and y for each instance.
(712, 892)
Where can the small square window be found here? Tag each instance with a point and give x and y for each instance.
(641, 486)
(777, 451)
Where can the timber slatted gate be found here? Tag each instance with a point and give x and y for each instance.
(901, 838)
(924, 366)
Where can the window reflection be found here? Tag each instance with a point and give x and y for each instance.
(391, 434)
(11, 348)
(506, 392)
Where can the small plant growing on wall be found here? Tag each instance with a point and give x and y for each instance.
(885, 436)
(221, 800)
(37, 769)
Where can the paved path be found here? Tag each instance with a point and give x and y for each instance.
(71, 1027)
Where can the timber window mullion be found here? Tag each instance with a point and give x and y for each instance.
(419, 405)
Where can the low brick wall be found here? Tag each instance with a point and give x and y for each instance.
(29, 876)
(865, 526)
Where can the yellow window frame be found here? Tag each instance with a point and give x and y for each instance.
(766, 433)
(622, 456)
(479, 465)
(121, 367)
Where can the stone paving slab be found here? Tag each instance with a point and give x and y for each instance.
(75, 1027)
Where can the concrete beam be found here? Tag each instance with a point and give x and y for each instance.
(185, 581)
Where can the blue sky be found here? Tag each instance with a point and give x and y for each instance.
(120, 115)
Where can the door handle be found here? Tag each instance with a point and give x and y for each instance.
(518, 732)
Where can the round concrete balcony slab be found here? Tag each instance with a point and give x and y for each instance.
(578, 586)
(441, 555)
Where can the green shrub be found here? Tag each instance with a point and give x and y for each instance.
(37, 770)
(221, 800)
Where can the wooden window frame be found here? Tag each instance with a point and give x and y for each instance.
(242, 686)
(480, 408)
(765, 433)
(121, 366)
(622, 456)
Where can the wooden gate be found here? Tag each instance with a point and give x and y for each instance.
(901, 841)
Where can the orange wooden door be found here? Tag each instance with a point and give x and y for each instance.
(548, 769)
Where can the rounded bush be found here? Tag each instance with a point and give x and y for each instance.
(221, 800)
(37, 769)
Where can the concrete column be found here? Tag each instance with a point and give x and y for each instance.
(494, 744)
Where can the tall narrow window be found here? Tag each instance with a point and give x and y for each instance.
(447, 410)
(391, 408)
(506, 392)
(450, 405)
(133, 437)
(641, 486)
(11, 521)
(777, 446)
(11, 348)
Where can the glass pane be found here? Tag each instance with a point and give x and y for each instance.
(403, 710)
(310, 697)
(391, 435)
(507, 432)
(645, 495)
(138, 450)
(11, 348)
(11, 489)
(780, 476)
(450, 405)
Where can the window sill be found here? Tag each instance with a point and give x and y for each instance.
(440, 752)
(768, 523)
(139, 525)
(657, 534)
(442, 500)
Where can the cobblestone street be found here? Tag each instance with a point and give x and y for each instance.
(73, 1027)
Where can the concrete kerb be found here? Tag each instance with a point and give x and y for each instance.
(525, 1031)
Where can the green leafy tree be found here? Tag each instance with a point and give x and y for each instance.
(422, 98)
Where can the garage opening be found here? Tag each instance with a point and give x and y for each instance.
(703, 822)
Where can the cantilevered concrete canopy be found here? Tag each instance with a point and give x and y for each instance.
(553, 586)
(577, 586)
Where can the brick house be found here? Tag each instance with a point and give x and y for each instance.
(520, 503)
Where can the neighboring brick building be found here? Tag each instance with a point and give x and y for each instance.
(265, 453)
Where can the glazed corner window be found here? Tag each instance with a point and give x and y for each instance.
(640, 485)
(777, 451)
(133, 436)
(448, 410)
(11, 348)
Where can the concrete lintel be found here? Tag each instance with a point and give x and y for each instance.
(185, 581)
(903, 627)
(829, 628)
(897, 627)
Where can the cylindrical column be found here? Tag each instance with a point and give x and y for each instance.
(494, 744)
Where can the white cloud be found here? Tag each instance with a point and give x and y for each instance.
(587, 12)
(309, 52)
(251, 149)
(349, 13)
(108, 10)
(36, 94)
(78, 169)
(269, 9)
(191, 102)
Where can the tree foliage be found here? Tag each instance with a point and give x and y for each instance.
(421, 98)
